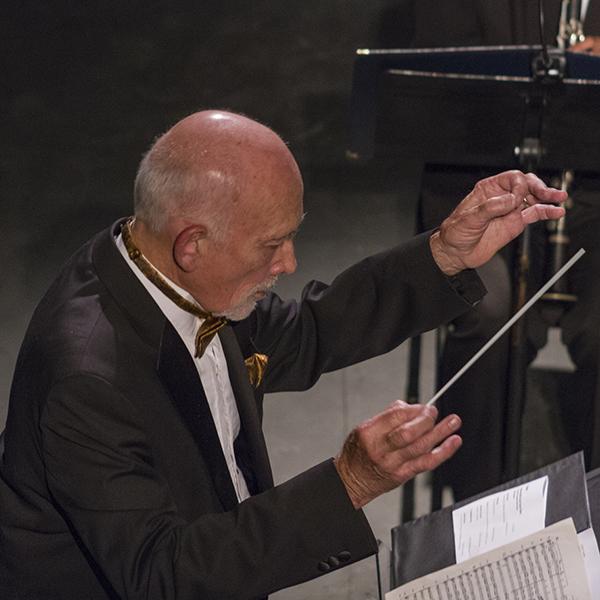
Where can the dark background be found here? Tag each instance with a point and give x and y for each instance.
(86, 87)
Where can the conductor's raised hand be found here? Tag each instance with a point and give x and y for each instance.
(393, 447)
(493, 214)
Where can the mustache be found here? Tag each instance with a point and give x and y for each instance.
(245, 307)
(264, 286)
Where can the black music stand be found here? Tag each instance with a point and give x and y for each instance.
(473, 105)
(571, 493)
(497, 107)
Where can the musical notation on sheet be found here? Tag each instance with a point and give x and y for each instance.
(499, 518)
(546, 565)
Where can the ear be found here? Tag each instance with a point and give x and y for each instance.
(187, 247)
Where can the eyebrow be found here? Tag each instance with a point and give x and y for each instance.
(287, 236)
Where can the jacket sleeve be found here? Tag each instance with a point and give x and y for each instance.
(101, 470)
(368, 310)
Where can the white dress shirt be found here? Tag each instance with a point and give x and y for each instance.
(212, 368)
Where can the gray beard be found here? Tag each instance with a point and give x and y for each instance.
(243, 309)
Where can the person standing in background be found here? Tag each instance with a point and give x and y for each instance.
(481, 394)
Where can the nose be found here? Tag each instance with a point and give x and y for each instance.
(285, 259)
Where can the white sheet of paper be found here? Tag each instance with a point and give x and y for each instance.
(499, 519)
(546, 564)
(591, 558)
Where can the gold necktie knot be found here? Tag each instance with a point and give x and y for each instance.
(209, 328)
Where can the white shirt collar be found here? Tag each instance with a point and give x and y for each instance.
(212, 368)
(184, 322)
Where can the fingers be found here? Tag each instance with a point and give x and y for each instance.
(541, 212)
(421, 434)
(393, 447)
(411, 428)
(499, 206)
(507, 191)
(529, 187)
(493, 214)
(538, 191)
(529, 194)
(532, 209)
(432, 460)
(401, 415)
(523, 185)
(418, 446)
(397, 415)
(406, 434)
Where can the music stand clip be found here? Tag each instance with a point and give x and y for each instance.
(549, 66)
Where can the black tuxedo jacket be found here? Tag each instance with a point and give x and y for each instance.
(113, 482)
(441, 23)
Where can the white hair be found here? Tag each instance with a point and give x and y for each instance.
(173, 181)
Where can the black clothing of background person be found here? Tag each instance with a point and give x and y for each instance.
(481, 393)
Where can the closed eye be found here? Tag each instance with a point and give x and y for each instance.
(279, 241)
(276, 242)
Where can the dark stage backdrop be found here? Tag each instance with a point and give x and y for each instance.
(86, 86)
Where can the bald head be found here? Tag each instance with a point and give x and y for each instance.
(208, 166)
(218, 200)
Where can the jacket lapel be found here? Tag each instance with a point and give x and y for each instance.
(252, 439)
(178, 372)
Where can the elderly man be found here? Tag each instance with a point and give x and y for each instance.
(135, 465)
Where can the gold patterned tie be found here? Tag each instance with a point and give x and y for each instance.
(210, 324)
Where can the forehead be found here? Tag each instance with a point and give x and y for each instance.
(270, 199)
(269, 218)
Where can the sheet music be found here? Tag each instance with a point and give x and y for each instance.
(591, 559)
(499, 518)
(546, 565)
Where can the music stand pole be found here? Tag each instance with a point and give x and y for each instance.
(548, 70)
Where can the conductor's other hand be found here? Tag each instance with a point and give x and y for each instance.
(493, 214)
(393, 447)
